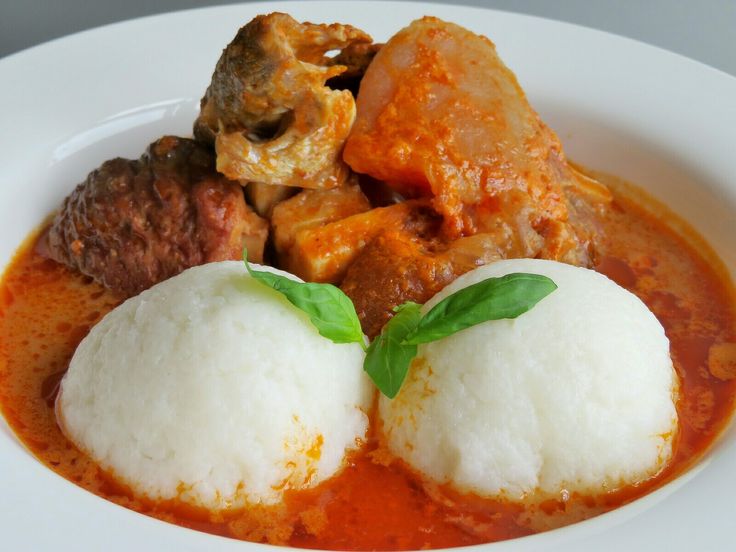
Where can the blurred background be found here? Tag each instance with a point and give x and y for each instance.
(703, 30)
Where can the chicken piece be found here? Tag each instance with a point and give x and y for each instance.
(134, 223)
(267, 109)
(439, 115)
(322, 249)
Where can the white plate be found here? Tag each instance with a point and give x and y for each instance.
(642, 113)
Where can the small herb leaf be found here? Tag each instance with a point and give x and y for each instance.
(492, 299)
(388, 358)
(389, 355)
(329, 309)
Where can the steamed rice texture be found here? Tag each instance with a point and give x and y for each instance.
(576, 395)
(211, 388)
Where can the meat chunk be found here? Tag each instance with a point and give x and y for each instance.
(413, 264)
(134, 223)
(311, 209)
(268, 111)
(322, 252)
(400, 265)
(393, 268)
(439, 115)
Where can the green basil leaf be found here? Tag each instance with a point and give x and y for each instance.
(329, 309)
(388, 358)
(491, 299)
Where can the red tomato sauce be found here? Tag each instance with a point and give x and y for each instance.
(376, 502)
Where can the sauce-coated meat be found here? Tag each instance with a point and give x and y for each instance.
(394, 268)
(133, 223)
(268, 111)
(440, 115)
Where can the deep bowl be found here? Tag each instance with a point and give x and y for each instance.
(649, 116)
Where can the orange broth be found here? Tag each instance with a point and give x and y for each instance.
(376, 502)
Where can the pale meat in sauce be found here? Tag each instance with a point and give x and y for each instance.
(439, 114)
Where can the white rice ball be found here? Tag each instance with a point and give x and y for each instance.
(577, 394)
(214, 389)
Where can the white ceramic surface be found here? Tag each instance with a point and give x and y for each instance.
(642, 113)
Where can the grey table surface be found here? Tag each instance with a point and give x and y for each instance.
(704, 30)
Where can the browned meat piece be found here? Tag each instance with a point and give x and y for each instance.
(414, 263)
(267, 109)
(400, 265)
(132, 224)
(393, 268)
